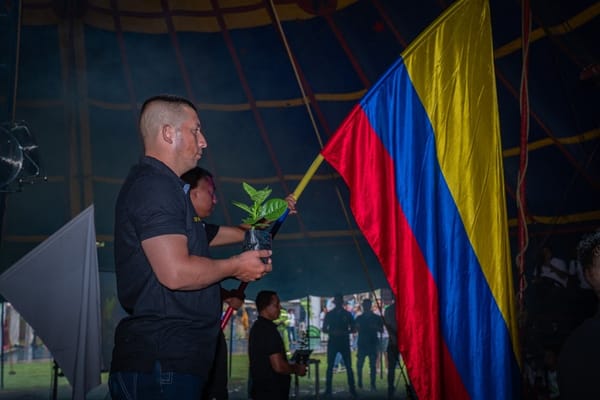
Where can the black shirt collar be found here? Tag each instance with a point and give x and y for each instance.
(163, 168)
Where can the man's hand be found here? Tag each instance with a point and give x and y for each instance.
(291, 202)
(300, 369)
(233, 298)
(250, 266)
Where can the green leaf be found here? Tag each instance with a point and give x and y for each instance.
(273, 209)
(249, 189)
(261, 215)
(261, 195)
(242, 206)
(250, 221)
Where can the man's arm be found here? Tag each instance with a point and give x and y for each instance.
(218, 235)
(283, 366)
(176, 269)
(229, 235)
(325, 326)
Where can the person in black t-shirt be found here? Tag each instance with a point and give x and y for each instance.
(269, 368)
(165, 280)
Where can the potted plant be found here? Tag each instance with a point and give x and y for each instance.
(260, 214)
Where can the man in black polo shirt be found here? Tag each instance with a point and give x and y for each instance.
(165, 279)
(269, 368)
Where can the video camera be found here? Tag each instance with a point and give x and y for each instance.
(301, 356)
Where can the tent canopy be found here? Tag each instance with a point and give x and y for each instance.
(84, 68)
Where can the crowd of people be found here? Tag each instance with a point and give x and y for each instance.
(370, 332)
(367, 345)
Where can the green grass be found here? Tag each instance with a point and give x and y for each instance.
(33, 380)
(238, 380)
(31, 374)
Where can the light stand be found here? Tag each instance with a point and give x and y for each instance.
(19, 165)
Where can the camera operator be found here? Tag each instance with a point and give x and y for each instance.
(269, 368)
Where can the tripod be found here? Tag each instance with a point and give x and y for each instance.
(410, 391)
(394, 358)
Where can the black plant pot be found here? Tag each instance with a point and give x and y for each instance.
(255, 239)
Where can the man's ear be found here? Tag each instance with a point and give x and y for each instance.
(193, 193)
(168, 132)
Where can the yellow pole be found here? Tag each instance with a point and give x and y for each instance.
(308, 176)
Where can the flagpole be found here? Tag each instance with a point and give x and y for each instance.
(297, 192)
(308, 176)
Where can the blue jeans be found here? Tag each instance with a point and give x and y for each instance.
(156, 385)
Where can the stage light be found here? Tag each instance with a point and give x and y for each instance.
(19, 157)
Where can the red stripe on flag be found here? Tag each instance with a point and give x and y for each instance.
(358, 154)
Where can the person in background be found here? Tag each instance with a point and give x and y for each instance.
(321, 319)
(579, 359)
(204, 199)
(270, 369)
(369, 326)
(339, 324)
(383, 338)
(393, 354)
(585, 301)
(282, 322)
(550, 317)
(245, 321)
(160, 253)
(292, 326)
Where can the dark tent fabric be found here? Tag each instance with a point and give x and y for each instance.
(85, 67)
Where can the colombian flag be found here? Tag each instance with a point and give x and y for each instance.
(421, 154)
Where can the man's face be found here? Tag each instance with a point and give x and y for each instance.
(189, 140)
(203, 197)
(272, 311)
